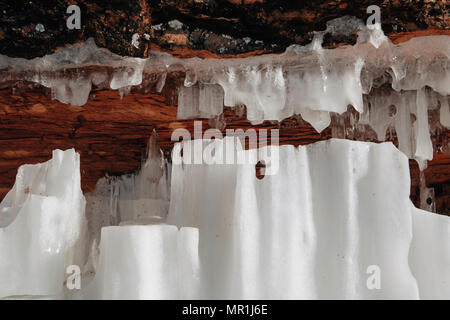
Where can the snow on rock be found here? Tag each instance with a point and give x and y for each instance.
(395, 109)
(41, 224)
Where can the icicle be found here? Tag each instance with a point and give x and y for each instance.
(161, 82)
(190, 78)
(424, 147)
(374, 208)
(124, 91)
(188, 102)
(308, 80)
(376, 37)
(210, 100)
(445, 112)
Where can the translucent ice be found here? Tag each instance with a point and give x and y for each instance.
(445, 112)
(430, 254)
(62, 71)
(272, 87)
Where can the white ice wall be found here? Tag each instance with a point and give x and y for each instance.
(41, 225)
(310, 231)
(430, 254)
(332, 211)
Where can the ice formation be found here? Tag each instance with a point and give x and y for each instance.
(140, 196)
(279, 238)
(311, 81)
(42, 227)
(335, 211)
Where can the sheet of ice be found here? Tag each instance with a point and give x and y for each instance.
(146, 262)
(41, 226)
(322, 224)
(424, 148)
(312, 230)
(430, 254)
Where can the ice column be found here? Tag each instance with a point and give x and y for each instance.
(41, 227)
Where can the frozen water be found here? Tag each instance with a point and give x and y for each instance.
(146, 262)
(407, 112)
(139, 198)
(327, 79)
(333, 211)
(430, 255)
(41, 223)
(317, 228)
(210, 100)
(279, 238)
(445, 112)
(310, 80)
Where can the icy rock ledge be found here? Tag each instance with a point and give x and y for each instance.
(310, 81)
(334, 210)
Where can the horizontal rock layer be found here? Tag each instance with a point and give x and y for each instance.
(215, 26)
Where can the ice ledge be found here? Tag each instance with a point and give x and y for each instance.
(328, 79)
(309, 81)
